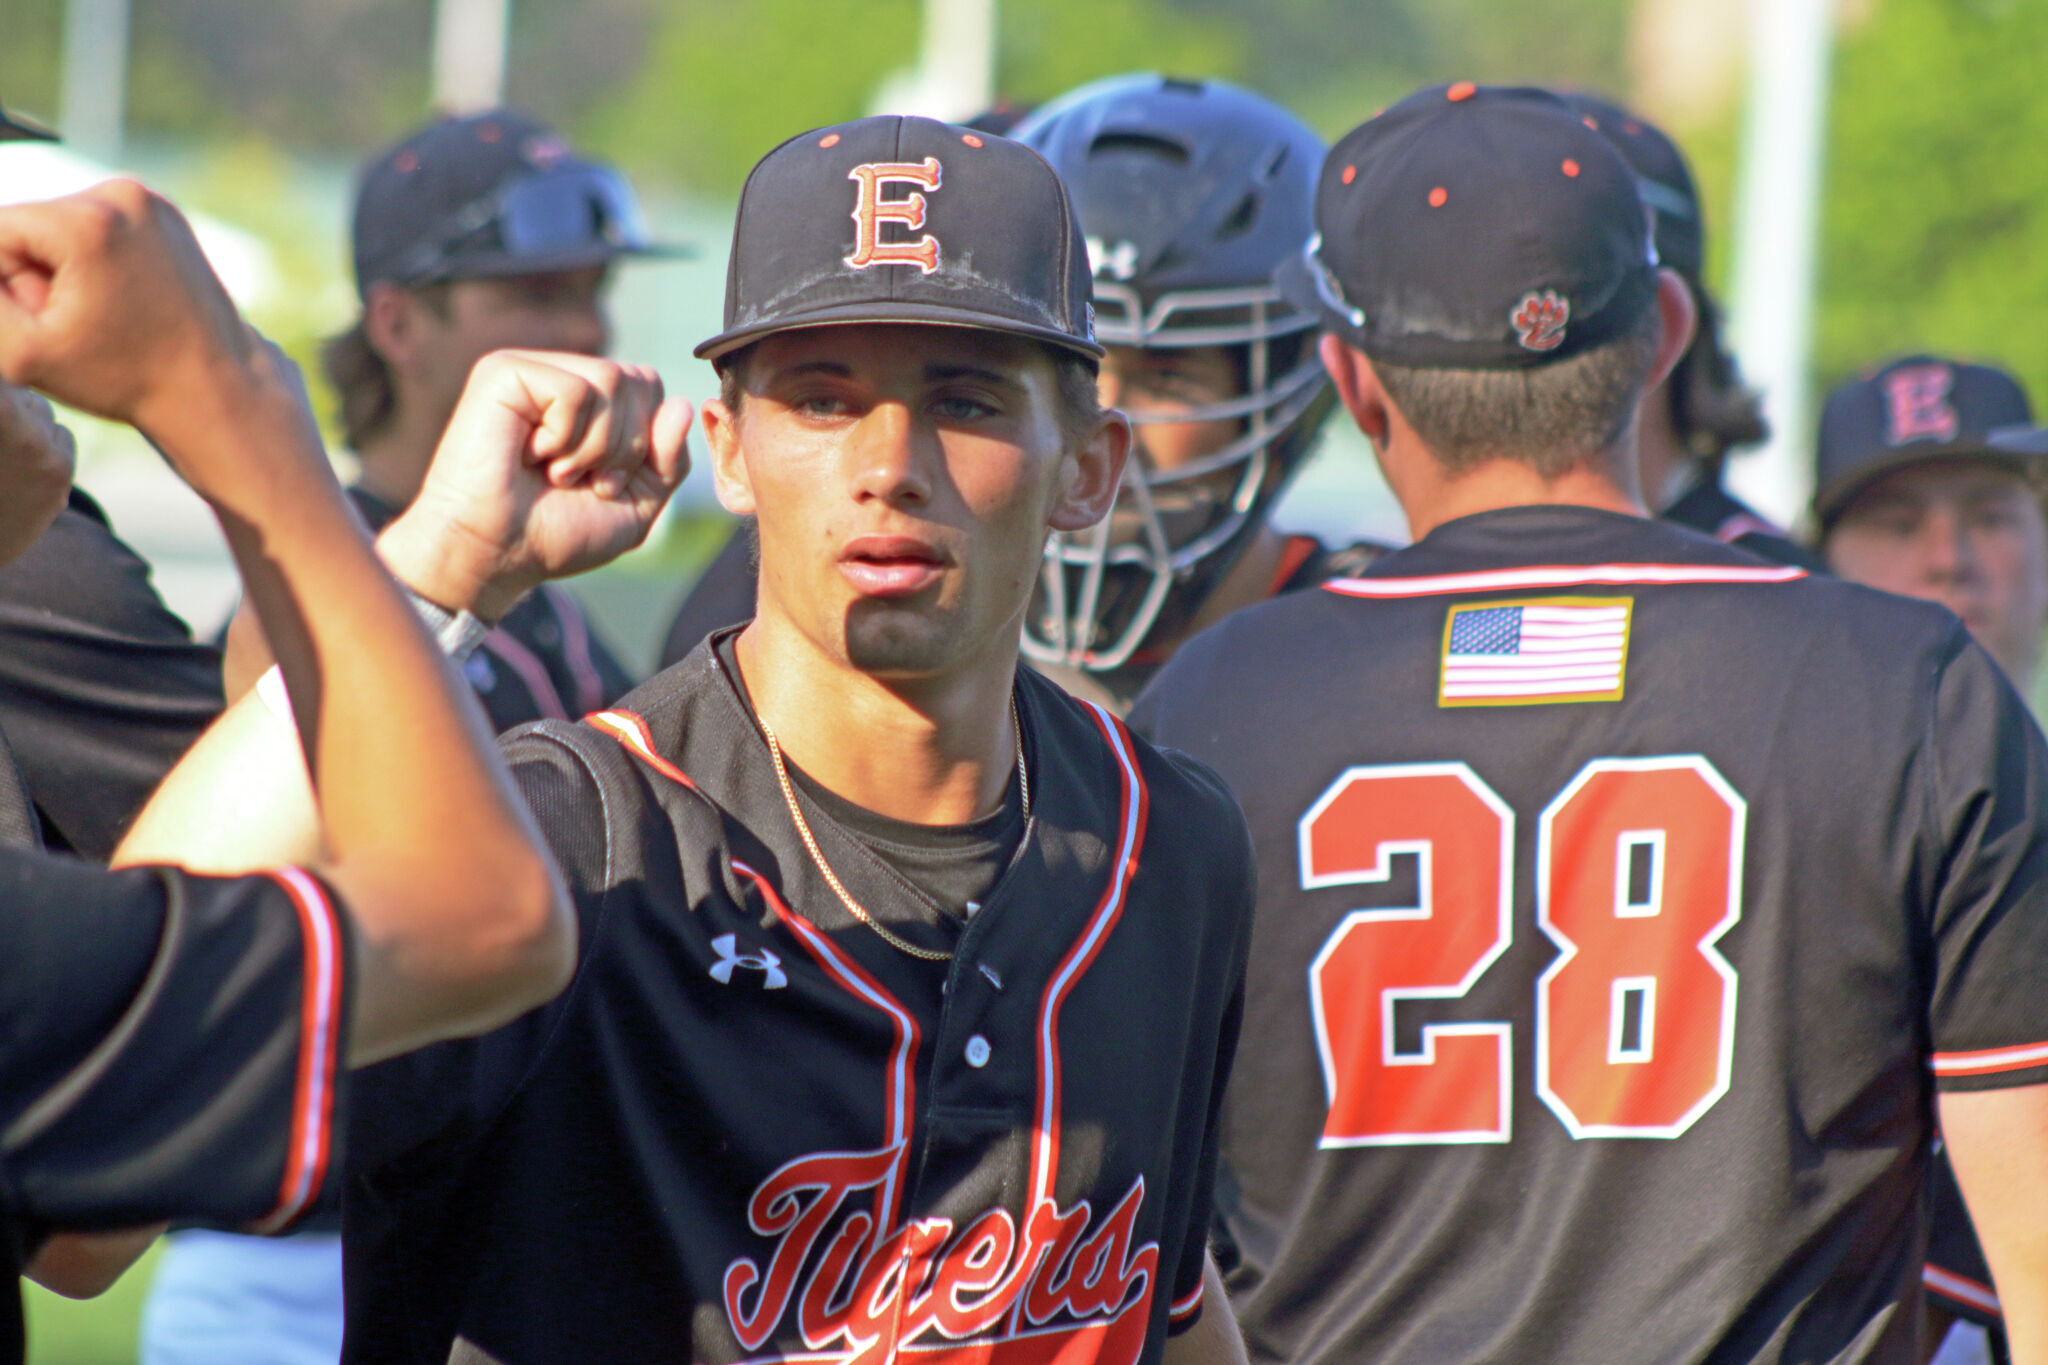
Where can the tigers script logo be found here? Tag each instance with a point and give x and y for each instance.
(871, 210)
(925, 1292)
(1539, 320)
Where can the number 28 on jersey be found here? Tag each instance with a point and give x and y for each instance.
(1638, 874)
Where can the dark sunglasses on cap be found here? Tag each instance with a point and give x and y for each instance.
(569, 211)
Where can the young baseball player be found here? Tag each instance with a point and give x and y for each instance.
(909, 982)
(471, 235)
(170, 1043)
(1629, 906)
(1189, 194)
(1928, 485)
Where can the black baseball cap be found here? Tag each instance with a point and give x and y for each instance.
(899, 219)
(15, 128)
(495, 193)
(1476, 227)
(1662, 179)
(1916, 408)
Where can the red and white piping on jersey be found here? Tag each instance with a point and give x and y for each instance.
(531, 671)
(631, 731)
(1560, 576)
(899, 1095)
(1962, 1289)
(1989, 1060)
(1133, 806)
(1184, 1308)
(312, 1132)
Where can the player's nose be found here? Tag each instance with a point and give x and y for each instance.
(890, 461)
(1947, 553)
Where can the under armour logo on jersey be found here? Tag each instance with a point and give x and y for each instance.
(872, 210)
(1916, 406)
(773, 978)
(1119, 261)
(1539, 320)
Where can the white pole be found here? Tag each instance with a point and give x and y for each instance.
(1777, 223)
(93, 104)
(469, 53)
(957, 57)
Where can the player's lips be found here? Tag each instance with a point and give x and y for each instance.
(891, 566)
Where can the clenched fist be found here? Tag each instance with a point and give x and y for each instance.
(552, 464)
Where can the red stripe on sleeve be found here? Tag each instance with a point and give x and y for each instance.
(1962, 1289)
(1186, 1307)
(312, 1130)
(1989, 1060)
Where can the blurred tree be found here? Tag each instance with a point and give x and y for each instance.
(1934, 227)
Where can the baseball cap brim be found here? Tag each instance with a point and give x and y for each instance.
(867, 310)
(2013, 446)
(1295, 280)
(499, 264)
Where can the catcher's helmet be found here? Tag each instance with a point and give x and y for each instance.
(1190, 193)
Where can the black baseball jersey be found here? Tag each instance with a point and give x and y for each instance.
(102, 688)
(750, 1129)
(541, 662)
(1624, 899)
(169, 1046)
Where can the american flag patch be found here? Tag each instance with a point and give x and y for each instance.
(1526, 653)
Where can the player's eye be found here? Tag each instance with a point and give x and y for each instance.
(820, 405)
(962, 407)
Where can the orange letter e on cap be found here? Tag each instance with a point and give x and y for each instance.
(871, 210)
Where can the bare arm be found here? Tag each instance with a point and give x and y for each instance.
(1998, 1143)
(551, 465)
(462, 923)
(1214, 1339)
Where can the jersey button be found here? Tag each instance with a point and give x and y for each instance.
(977, 1051)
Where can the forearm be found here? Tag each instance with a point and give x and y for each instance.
(456, 907)
(1997, 1141)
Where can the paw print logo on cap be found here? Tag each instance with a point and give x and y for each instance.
(1539, 320)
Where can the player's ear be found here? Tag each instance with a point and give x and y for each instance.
(1091, 472)
(1358, 388)
(1678, 315)
(395, 320)
(728, 469)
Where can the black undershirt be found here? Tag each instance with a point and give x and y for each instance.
(952, 866)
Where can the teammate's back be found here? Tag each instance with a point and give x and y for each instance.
(1624, 899)
(1670, 938)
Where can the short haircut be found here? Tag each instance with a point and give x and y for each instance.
(362, 378)
(1073, 375)
(1552, 417)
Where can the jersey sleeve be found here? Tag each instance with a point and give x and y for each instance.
(1987, 772)
(170, 1044)
(101, 686)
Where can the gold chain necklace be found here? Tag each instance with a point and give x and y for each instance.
(803, 827)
